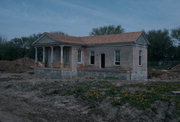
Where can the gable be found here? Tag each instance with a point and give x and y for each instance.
(45, 39)
(142, 40)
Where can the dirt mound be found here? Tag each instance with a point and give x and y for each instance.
(171, 74)
(177, 67)
(17, 66)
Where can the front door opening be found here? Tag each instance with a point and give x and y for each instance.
(103, 60)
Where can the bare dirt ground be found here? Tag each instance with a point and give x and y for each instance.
(20, 103)
(26, 98)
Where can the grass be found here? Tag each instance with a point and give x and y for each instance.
(141, 96)
(111, 78)
(95, 93)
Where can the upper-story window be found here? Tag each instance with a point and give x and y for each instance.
(92, 57)
(140, 57)
(117, 57)
(79, 56)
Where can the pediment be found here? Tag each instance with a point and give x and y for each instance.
(142, 40)
(45, 40)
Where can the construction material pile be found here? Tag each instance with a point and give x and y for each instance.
(177, 67)
(17, 66)
(157, 74)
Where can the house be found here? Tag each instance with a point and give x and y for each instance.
(117, 55)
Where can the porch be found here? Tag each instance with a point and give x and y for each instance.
(55, 57)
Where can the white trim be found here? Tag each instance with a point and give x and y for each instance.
(141, 57)
(90, 57)
(115, 58)
(78, 57)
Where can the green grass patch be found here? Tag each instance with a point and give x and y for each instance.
(111, 78)
(95, 92)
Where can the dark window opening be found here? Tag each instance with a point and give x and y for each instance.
(140, 57)
(79, 56)
(117, 57)
(102, 60)
(92, 58)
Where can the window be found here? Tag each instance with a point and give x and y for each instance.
(117, 57)
(79, 56)
(140, 57)
(92, 57)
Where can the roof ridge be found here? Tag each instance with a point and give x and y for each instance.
(113, 34)
(97, 39)
(92, 35)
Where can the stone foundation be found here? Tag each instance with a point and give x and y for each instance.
(139, 75)
(104, 74)
(55, 73)
(122, 75)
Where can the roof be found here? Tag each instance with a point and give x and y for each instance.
(99, 39)
(113, 38)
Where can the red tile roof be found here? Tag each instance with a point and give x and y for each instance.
(100, 39)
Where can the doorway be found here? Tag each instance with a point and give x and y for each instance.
(102, 60)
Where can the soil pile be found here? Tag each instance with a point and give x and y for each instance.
(177, 67)
(17, 66)
(172, 74)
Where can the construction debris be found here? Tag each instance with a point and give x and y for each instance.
(17, 66)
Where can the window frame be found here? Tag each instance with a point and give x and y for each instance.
(79, 62)
(90, 57)
(115, 61)
(140, 57)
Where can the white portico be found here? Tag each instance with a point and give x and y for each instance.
(55, 56)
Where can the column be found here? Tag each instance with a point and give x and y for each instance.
(52, 53)
(61, 61)
(43, 61)
(36, 58)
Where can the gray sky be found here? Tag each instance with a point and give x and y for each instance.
(77, 17)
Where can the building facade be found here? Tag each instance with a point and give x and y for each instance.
(123, 56)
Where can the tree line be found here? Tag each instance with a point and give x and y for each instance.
(164, 44)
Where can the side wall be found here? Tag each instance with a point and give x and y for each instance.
(126, 53)
(139, 72)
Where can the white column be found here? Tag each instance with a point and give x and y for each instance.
(61, 56)
(43, 55)
(52, 53)
(36, 57)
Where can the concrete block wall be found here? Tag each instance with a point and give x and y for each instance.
(74, 52)
(104, 74)
(55, 73)
(139, 71)
(126, 53)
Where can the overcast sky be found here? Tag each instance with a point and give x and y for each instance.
(77, 17)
